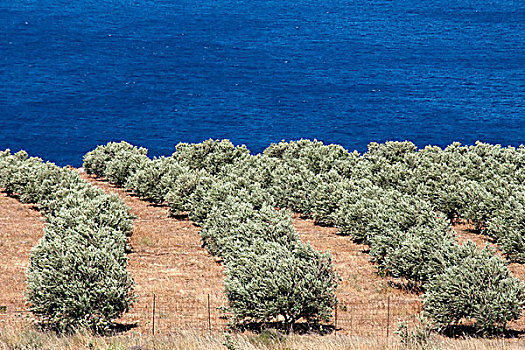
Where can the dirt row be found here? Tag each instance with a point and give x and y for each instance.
(21, 226)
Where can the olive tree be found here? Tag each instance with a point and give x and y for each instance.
(479, 288)
(268, 282)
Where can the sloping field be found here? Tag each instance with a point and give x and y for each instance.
(20, 229)
(364, 295)
(168, 261)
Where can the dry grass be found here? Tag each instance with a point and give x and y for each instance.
(193, 340)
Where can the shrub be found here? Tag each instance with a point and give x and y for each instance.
(147, 181)
(327, 195)
(407, 238)
(269, 280)
(16, 172)
(370, 210)
(479, 288)
(96, 161)
(182, 187)
(387, 165)
(419, 337)
(101, 212)
(124, 164)
(78, 279)
(314, 155)
(295, 175)
(419, 254)
(392, 151)
(48, 181)
(251, 169)
(213, 191)
(292, 185)
(507, 226)
(210, 155)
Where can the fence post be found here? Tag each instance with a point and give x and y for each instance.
(335, 318)
(388, 318)
(209, 313)
(153, 323)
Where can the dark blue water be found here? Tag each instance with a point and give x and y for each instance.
(75, 74)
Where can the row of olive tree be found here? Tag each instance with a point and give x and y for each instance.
(388, 199)
(77, 275)
(383, 198)
(270, 274)
(482, 183)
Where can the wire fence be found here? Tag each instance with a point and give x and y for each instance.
(376, 317)
(162, 315)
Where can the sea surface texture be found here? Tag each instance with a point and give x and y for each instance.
(75, 74)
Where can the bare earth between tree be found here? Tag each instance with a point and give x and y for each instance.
(21, 227)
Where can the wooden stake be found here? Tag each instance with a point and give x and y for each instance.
(209, 314)
(335, 319)
(153, 323)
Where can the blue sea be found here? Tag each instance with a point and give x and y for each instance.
(75, 74)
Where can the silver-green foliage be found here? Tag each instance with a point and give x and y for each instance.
(210, 155)
(507, 225)
(213, 191)
(153, 179)
(124, 164)
(407, 238)
(269, 280)
(32, 180)
(478, 287)
(292, 186)
(234, 225)
(270, 273)
(102, 159)
(418, 254)
(298, 166)
(232, 196)
(77, 278)
(182, 186)
(467, 182)
(77, 273)
(395, 198)
(314, 155)
(90, 206)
